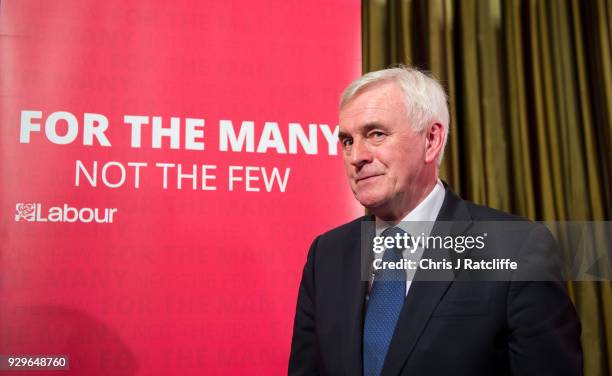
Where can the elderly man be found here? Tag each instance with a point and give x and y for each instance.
(393, 129)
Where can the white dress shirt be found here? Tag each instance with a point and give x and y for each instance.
(418, 222)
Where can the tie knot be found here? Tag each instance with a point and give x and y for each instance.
(392, 231)
(401, 239)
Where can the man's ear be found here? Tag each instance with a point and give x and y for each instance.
(434, 141)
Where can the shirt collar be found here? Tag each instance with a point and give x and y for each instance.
(421, 218)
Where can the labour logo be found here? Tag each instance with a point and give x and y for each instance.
(25, 212)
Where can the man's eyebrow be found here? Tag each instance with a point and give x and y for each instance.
(363, 129)
(342, 135)
(373, 125)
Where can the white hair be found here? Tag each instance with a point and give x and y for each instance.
(426, 100)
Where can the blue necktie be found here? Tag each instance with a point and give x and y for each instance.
(384, 306)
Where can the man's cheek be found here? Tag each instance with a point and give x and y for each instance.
(349, 171)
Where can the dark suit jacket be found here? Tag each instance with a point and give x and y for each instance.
(445, 327)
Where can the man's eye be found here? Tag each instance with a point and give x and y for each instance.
(347, 142)
(377, 134)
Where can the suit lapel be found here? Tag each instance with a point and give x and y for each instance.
(424, 296)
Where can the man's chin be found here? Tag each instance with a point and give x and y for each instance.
(371, 203)
(378, 206)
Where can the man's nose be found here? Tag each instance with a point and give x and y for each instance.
(360, 153)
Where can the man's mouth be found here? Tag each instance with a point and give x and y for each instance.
(364, 179)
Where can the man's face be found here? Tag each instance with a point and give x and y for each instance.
(383, 157)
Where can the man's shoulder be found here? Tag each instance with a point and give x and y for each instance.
(347, 230)
(335, 242)
(519, 229)
(485, 213)
(490, 217)
(455, 207)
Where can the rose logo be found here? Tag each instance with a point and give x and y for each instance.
(25, 212)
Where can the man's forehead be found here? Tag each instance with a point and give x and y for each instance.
(365, 113)
(379, 98)
(361, 112)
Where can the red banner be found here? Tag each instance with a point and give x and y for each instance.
(165, 166)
